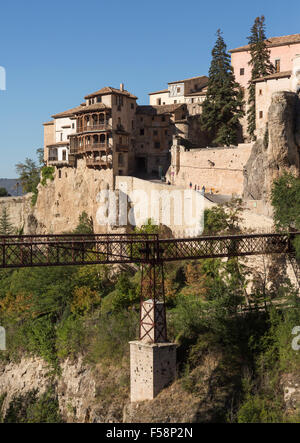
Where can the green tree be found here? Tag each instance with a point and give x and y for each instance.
(29, 174)
(223, 106)
(285, 197)
(85, 224)
(224, 218)
(3, 192)
(6, 227)
(260, 67)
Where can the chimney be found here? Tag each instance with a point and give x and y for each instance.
(122, 87)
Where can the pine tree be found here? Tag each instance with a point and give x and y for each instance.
(6, 228)
(223, 106)
(261, 66)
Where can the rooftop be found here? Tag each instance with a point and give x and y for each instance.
(159, 110)
(273, 41)
(69, 112)
(159, 92)
(108, 90)
(203, 79)
(276, 75)
(93, 107)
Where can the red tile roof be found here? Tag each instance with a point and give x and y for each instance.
(159, 92)
(273, 41)
(108, 90)
(274, 76)
(69, 112)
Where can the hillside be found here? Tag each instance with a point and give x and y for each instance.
(10, 184)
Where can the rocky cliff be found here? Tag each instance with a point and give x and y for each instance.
(278, 151)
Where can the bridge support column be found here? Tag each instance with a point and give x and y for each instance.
(152, 368)
(152, 358)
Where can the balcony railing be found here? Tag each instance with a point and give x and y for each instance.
(99, 127)
(98, 161)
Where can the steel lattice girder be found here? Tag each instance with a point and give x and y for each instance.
(64, 250)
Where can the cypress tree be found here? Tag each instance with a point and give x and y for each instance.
(223, 106)
(6, 228)
(261, 66)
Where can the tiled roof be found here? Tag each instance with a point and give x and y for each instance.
(48, 123)
(109, 90)
(203, 80)
(159, 92)
(69, 112)
(93, 107)
(274, 76)
(273, 41)
(159, 110)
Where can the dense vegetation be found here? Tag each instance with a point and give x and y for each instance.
(93, 311)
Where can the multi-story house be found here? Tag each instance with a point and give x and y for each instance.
(153, 138)
(191, 91)
(57, 137)
(283, 55)
(104, 131)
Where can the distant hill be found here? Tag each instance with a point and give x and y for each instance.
(10, 185)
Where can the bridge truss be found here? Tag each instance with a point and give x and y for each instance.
(148, 250)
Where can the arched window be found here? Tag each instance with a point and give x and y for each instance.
(102, 138)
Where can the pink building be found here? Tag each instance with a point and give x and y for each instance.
(283, 53)
(283, 50)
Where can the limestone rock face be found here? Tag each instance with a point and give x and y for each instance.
(270, 158)
(62, 201)
(283, 150)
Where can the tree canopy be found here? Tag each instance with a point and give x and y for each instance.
(223, 106)
(260, 67)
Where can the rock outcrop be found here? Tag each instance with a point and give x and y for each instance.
(279, 151)
(73, 191)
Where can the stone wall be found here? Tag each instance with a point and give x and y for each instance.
(218, 168)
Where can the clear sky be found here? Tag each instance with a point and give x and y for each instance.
(56, 52)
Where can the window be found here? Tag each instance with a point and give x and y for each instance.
(142, 131)
(64, 155)
(158, 101)
(261, 114)
(260, 92)
(175, 101)
(163, 119)
(132, 124)
(132, 105)
(121, 160)
(142, 146)
(61, 137)
(157, 145)
(99, 99)
(242, 71)
(73, 125)
(142, 119)
(166, 132)
(59, 174)
(120, 172)
(277, 65)
(155, 132)
(178, 90)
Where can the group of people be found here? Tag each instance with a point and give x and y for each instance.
(197, 188)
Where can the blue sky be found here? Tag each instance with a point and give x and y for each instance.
(56, 52)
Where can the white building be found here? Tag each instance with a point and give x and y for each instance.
(191, 91)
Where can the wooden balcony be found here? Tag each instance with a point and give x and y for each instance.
(98, 162)
(53, 161)
(94, 128)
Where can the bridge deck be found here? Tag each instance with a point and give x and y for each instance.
(69, 250)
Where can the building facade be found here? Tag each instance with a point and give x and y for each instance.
(284, 53)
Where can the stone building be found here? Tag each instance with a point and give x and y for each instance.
(100, 131)
(155, 128)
